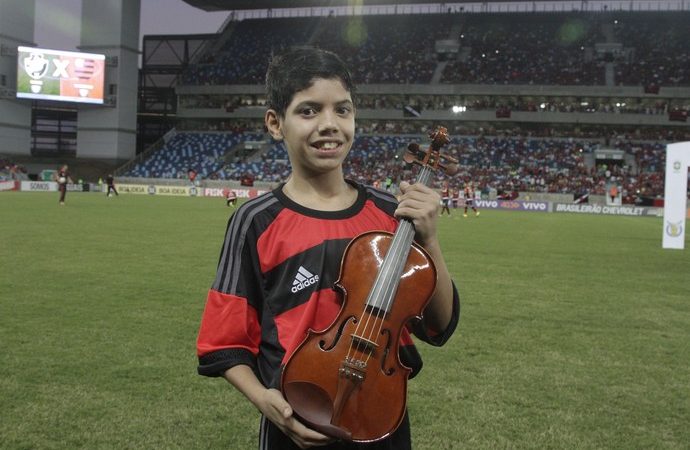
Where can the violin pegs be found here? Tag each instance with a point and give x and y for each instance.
(451, 169)
(411, 155)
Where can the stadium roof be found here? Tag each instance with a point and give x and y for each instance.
(229, 5)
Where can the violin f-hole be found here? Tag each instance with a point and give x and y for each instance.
(386, 351)
(338, 334)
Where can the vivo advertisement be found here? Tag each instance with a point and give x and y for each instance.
(58, 75)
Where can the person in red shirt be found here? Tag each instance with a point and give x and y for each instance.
(445, 198)
(62, 177)
(469, 199)
(231, 198)
(282, 251)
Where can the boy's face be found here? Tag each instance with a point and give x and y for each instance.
(318, 127)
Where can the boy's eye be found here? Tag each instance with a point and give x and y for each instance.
(343, 110)
(308, 111)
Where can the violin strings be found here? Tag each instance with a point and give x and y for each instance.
(399, 256)
(379, 289)
(391, 272)
(400, 251)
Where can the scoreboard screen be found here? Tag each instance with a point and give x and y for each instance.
(60, 75)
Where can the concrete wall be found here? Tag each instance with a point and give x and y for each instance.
(16, 28)
(111, 27)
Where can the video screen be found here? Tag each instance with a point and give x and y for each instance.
(60, 75)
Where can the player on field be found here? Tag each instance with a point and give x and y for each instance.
(230, 198)
(469, 199)
(446, 194)
(110, 182)
(62, 177)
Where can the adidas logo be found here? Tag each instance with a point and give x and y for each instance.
(303, 279)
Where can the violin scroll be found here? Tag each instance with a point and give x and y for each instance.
(432, 157)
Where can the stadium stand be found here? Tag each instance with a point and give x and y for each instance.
(532, 134)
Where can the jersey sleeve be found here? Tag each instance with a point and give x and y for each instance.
(438, 338)
(230, 330)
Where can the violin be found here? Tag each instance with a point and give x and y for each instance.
(347, 381)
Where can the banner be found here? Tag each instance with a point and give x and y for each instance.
(183, 191)
(239, 192)
(625, 210)
(132, 188)
(515, 205)
(676, 195)
(9, 185)
(153, 189)
(41, 186)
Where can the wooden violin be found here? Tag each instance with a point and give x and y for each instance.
(347, 381)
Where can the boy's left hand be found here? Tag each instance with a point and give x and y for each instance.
(420, 204)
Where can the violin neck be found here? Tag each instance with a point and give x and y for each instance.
(388, 279)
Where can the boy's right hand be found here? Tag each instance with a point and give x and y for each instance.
(276, 409)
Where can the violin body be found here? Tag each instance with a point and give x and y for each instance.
(347, 381)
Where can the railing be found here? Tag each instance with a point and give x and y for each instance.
(537, 6)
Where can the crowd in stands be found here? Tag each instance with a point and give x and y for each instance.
(517, 49)
(202, 152)
(529, 49)
(506, 49)
(364, 126)
(504, 163)
(661, 55)
(10, 170)
(639, 105)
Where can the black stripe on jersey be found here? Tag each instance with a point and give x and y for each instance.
(323, 260)
(383, 199)
(231, 255)
(351, 211)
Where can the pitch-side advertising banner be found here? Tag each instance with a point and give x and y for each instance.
(675, 194)
(604, 209)
(516, 205)
(45, 186)
(9, 185)
(151, 189)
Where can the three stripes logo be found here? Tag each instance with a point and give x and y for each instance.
(303, 279)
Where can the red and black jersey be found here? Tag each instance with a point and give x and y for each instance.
(275, 280)
(62, 176)
(445, 193)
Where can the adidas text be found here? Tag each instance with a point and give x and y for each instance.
(303, 279)
(308, 282)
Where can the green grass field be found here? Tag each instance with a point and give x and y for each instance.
(575, 331)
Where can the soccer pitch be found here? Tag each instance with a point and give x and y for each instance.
(574, 331)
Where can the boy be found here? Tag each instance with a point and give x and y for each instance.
(282, 250)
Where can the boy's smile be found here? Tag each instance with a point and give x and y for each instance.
(318, 127)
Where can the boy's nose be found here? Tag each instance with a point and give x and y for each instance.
(327, 123)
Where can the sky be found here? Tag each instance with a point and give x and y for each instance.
(57, 23)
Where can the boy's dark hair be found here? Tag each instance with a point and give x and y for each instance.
(296, 69)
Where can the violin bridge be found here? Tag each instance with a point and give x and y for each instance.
(364, 344)
(353, 370)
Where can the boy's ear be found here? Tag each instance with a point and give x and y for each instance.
(273, 124)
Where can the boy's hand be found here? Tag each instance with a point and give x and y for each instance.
(420, 204)
(276, 409)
